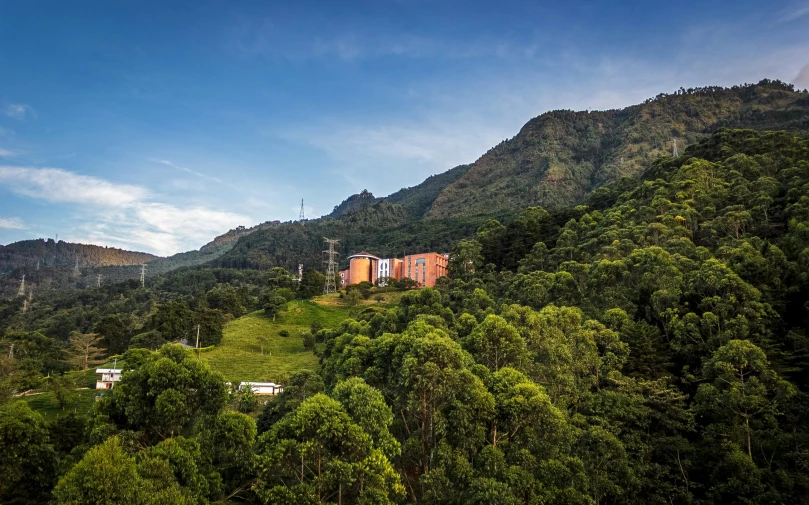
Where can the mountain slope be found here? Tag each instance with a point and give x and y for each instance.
(48, 253)
(559, 157)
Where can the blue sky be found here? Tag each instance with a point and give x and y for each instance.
(155, 126)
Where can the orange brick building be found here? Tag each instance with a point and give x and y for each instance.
(423, 268)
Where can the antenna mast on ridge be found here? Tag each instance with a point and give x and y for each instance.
(331, 267)
(301, 217)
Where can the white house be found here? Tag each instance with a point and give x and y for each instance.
(108, 377)
(263, 388)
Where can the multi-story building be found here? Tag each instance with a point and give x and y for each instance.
(423, 268)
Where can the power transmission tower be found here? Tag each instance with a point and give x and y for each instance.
(302, 217)
(143, 275)
(76, 268)
(98, 280)
(331, 267)
(21, 291)
(674, 151)
(37, 265)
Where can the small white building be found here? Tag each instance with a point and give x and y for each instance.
(263, 388)
(107, 377)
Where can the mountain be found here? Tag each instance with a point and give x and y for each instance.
(556, 160)
(49, 253)
(560, 156)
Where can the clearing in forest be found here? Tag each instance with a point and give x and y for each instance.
(239, 356)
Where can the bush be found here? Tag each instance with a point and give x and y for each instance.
(247, 400)
(308, 340)
(284, 333)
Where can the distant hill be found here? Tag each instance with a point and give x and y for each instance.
(50, 265)
(49, 253)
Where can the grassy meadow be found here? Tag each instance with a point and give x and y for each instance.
(239, 356)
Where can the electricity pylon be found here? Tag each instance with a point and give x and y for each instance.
(331, 267)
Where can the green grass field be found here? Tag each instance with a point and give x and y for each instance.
(238, 357)
(45, 403)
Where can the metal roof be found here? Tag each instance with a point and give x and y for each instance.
(109, 370)
(364, 254)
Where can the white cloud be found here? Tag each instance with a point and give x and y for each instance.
(19, 111)
(121, 215)
(6, 153)
(57, 185)
(11, 223)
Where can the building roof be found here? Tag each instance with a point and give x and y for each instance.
(109, 370)
(260, 384)
(364, 254)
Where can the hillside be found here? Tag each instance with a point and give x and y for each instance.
(560, 156)
(48, 253)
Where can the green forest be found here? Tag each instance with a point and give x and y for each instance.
(646, 346)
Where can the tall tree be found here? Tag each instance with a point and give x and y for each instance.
(85, 350)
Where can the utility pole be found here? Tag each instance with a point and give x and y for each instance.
(301, 217)
(21, 291)
(331, 267)
(143, 275)
(98, 280)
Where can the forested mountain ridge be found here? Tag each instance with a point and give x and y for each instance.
(560, 156)
(49, 253)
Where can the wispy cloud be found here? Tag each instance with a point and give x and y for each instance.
(18, 110)
(185, 169)
(11, 223)
(263, 38)
(7, 153)
(793, 13)
(121, 215)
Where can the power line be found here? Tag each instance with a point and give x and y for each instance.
(331, 267)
